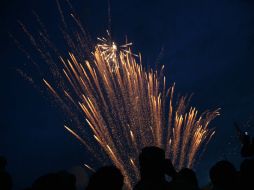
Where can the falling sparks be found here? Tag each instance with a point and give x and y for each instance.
(89, 167)
(125, 107)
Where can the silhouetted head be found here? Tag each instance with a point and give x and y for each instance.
(152, 162)
(5, 181)
(223, 175)
(5, 178)
(48, 181)
(186, 179)
(60, 180)
(67, 180)
(108, 177)
(3, 163)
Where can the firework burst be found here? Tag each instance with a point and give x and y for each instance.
(125, 106)
(125, 109)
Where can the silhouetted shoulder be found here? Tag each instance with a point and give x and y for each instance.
(108, 177)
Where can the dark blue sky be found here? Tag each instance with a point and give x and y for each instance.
(207, 49)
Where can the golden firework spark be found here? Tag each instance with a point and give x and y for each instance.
(126, 107)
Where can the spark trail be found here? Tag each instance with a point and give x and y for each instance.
(125, 107)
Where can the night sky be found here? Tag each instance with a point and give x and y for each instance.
(207, 47)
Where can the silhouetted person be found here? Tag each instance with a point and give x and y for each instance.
(186, 179)
(108, 177)
(5, 178)
(247, 142)
(224, 176)
(53, 181)
(153, 168)
(247, 149)
(247, 174)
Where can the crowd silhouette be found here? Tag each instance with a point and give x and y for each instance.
(156, 173)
